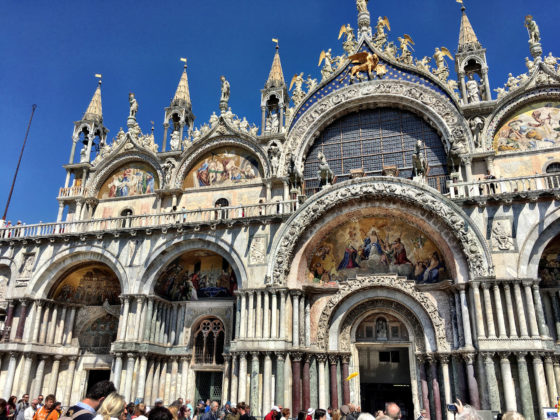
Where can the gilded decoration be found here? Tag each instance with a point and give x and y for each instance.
(468, 235)
(549, 264)
(375, 245)
(361, 284)
(222, 167)
(197, 275)
(132, 179)
(90, 285)
(534, 126)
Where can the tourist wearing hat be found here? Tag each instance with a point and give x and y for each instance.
(310, 412)
(273, 413)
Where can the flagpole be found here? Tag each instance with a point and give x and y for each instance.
(33, 108)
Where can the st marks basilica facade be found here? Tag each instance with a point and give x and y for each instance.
(389, 219)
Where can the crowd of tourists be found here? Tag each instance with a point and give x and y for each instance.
(102, 402)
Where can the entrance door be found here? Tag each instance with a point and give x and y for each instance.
(209, 386)
(374, 397)
(95, 376)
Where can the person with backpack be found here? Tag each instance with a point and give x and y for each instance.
(47, 412)
(87, 408)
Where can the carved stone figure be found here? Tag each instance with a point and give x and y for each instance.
(298, 93)
(133, 103)
(325, 174)
(365, 62)
(175, 142)
(381, 329)
(391, 50)
(533, 29)
(214, 119)
(530, 65)
(501, 92)
(476, 125)
(244, 125)
(274, 123)
(196, 134)
(501, 236)
(551, 61)
(442, 70)
(327, 69)
(473, 91)
(419, 161)
(512, 82)
(254, 130)
(350, 43)
(362, 6)
(405, 46)
(167, 172)
(83, 155)
(423, 64)
(224, 100)
(380, 37)
(274, 156)
(295, 177)
(311, 83)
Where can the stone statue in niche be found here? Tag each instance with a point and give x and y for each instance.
(175, 141)
(381, 329)
(274, 156)
(473, 90)
(27, 266)
(502, 238)
(476, 125)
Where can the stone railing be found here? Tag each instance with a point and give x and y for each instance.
(211, 216)
(504, 186)
(70, 192)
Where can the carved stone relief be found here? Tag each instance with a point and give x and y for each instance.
(25, 270)
(502, 235)
(257, 251)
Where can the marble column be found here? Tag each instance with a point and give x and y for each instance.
(424, 383)
(124, 318)
(279, 393)
(234, 385)
(531, 314)
(117, 371)
(267, 381)
(26, 376)
(520, 309)
(510, 311)
(148, 320)
(550, 379)
(492, 382)
(274, 315)
(471, 380)
(158, 313)
(8, 323)
(52, 325)
(295, 319)
(466, 317)
(173, 325)
(37, 320)
(69, 381)
(142, 373)
(163, 380)
(149, 382)
(185, 361)
(323, 398)
(68, 334)
(138, 318)
(243, 316)
(333, 364)
(251, 316)
(237, 329)
(488, 309)
(556, 311)
(174, 375)
(296, 382)
(435, 386)
(259, 322)
(10, 375)
(525, 386)
(282, 318)
(502, 333)
(167, 397)
(543, 328)
(345, 384)
(242, 393)
(22, 317)
(255, 383)
(225, 381)
(44, 323)
(39, 375)
(167, 328)
(129, 375)
(60, 328)
(507, 381)
(444, 361)
(306, 382)
(55, 369)
(307, 327)
(266, 315)
(478, 311)
(557, 372)
(540, 382)
(157, 378)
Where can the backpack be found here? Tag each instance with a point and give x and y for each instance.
(71, 414)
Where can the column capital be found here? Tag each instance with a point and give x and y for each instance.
(296, 293)
(506, 287)
(488, 356)
(296, 356)
(527, 283)
(255, 355)
(267, 354)
(504, 356)
(468, 358)
(444, 358)
(41, 357)
(431, 358)
(475, 284)
(548, 358)
(321, 357)
(73, 358)
(30, 356)
(535, 286)
(521, 356)
(117, 354)
(140, 299)
(345, 358)
(130, 355)
(421, 357)
(227, 357)
(280, 356)
(174, 359)
(243, 354)
(58, 357)
(461, 287)
(537, 355)
(485, 286)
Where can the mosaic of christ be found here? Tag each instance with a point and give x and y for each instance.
(376, 245)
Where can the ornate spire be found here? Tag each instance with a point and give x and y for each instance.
(182, 95)
(467, 37)
(276, 76)
(94, 111)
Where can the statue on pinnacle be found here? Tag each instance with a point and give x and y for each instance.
(362, 5)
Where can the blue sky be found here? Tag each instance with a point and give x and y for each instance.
(52, 49)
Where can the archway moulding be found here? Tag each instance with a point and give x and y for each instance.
(336, 318)
(50, 271)
(168, 251)
(437, 109)
(471, 240)
(200, 150)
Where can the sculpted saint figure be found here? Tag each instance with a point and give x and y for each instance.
(362, 5)
(473, 91)
(133, 105)
(533, 29)
(225, 90)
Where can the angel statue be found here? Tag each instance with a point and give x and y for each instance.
(350, 44)
(362, 6)
(442, 70)
(406, 55)
(423, 64)
(327, 69)
(311, 84)
(133, 105)
(298, 94)
(533, 29)
(380, 37)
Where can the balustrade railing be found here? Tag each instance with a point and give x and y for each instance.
(70, 192)
(202, 216)
(497, 186)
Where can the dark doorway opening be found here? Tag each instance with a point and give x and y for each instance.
(95, 376)
(209, 386)
(374, 397)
